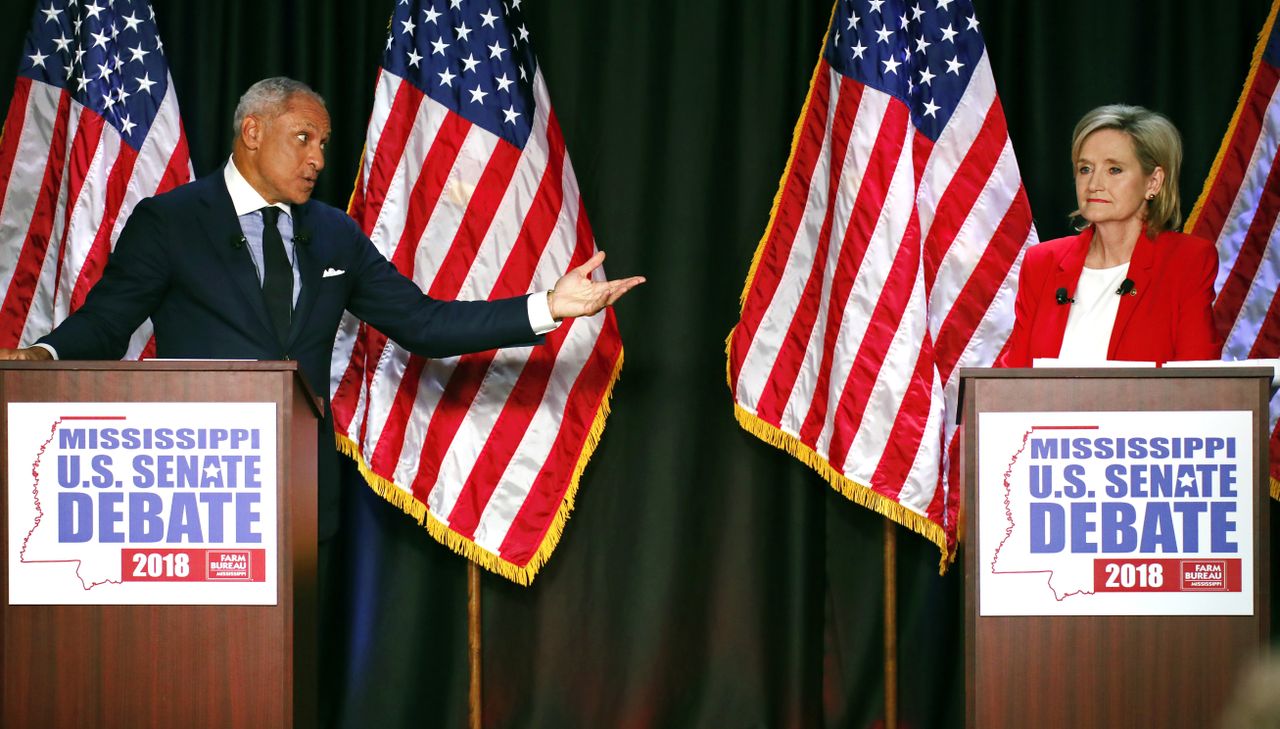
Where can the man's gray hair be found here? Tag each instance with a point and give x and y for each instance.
(267, 99)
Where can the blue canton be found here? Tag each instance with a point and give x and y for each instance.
(106, 54)
(921, 52)
(473, 56)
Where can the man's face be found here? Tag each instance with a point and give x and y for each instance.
(287, 150)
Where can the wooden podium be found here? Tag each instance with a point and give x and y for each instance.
(1108, 670)
(164, 666)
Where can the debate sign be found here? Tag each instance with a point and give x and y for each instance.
(115, 503)
(1116, 513)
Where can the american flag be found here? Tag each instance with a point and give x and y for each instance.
(466, 187)
(1238, 209)
(93, 128)
(888, 262)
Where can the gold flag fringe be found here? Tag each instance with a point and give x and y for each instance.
(355, 185)
(1235, 120)
(523, 575)
(858, 493)
(771, 434)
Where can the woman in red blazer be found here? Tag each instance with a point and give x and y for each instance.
(1127, 287)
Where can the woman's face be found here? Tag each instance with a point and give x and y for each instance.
(1110, 183)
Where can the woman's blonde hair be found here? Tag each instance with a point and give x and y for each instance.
(1157, 144)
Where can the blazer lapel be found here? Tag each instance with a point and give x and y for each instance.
(219, 221)
(1140, 267)
(1067, 277)
(308, 268)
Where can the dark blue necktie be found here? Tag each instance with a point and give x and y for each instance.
(277, 274)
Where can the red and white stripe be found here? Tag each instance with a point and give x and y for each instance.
(1239, 210)
(67, 186)
(486, 449)
(887, 265)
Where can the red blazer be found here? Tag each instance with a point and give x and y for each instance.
(1169, 315)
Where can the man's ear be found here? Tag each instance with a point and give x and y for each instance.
(251, 130)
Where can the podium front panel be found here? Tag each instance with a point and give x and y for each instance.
(153, 665)
(1105, 670)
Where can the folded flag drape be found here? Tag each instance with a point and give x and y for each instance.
(92, 129)
(888, 262)
(466, 186)
(1238, 210)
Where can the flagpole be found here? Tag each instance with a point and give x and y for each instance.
(475, 706)
(890, 626)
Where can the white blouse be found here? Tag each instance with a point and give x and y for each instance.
(1093, 315)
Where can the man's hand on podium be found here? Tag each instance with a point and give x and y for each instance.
(26, 353)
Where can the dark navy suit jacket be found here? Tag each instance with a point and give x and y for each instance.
(1169, 315)
(180, 261)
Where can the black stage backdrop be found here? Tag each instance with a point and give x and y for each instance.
(705, 579)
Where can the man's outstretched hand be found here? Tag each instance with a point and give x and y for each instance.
(576, 294)
(27, 353)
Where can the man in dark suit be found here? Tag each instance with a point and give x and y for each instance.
(242, 264)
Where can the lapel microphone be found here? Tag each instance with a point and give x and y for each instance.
(301, 238)
(1062, 297)
(238, 241)
(1127, 287)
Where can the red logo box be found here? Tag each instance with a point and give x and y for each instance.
(229, 565)
(1204, 575)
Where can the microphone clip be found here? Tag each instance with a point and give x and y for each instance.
(1127, 287)
(1062, 297)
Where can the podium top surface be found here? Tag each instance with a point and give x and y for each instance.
(173, 365)
(1232, 372)
(1002, 373)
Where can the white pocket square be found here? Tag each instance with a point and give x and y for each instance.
(332, 272)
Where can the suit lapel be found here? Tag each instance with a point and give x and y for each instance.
(219, 221)
(1067, 277)
(1140, 267)
(308, 268)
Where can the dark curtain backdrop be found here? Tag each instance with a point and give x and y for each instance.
(705, 579)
